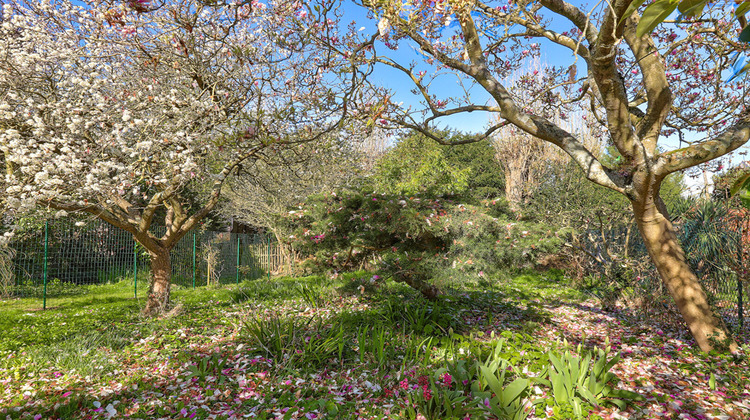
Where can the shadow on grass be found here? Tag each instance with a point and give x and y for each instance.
(386, 333)
(401, 316)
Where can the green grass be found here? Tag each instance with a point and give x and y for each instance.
(23, 322)
(108, 307)
(291, 343)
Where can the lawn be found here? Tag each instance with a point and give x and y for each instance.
(352, 347)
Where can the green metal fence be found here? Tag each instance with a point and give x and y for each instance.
(60, 258)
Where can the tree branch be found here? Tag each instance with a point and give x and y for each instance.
(698, 153)
(534, 125)
(611, 87)
(658, 93)
(541, 31)
(575, 15)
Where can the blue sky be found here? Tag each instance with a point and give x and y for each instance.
(551, 55)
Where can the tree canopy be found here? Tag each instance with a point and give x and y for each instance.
(418, 165)
(116, 109)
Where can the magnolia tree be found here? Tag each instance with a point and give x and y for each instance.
(641, 89)
(123, 111)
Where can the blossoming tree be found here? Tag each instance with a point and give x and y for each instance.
(641, 89)
(125, 110)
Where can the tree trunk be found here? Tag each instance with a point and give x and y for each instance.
(161, 279)
(683, 285)
(427, 290)
(516, 183)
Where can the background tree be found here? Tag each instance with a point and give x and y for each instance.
(418, 165)
(266, 189)
(640, 87)
(526, 161)
(118, 110)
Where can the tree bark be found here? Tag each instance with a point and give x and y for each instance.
(516, 184)
(669, 258)
(427, 290)
(161, 279)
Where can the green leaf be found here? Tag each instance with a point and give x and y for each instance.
(514, 390)
(573, 368)
(576, 403)
(712, 381)
(556, 362)
(558, 388)
(584, 371)
(598, 369)
(742, 8)
(492, 381)
(447, 404)
(691, 7)
(742, 183)
(608, 377)
(612, 363)
(619, 403)
(631, 9)
(595, 386)
(745, 198)
(655, 14)
(542, 381)
(627, 395)
(745, 34)
(588, 395)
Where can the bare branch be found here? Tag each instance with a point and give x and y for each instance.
(698, 153)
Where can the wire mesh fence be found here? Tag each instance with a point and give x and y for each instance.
(716, 240)
(61, 258)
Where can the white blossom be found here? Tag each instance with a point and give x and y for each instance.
(384, 26)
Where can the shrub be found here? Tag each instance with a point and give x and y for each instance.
(415, 239)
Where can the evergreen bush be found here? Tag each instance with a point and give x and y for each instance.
(415, 239)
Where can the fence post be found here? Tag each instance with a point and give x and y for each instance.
(238, 258)
(740, 281)
(135, 269)
(46, 254)
(740, 313)
(269, 257)
(193, 260)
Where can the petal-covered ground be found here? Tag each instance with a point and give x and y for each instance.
(206, 362)
(660, 364)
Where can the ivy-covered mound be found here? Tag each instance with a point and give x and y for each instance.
(416, 240)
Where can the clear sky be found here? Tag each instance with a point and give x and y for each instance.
(551, 55)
